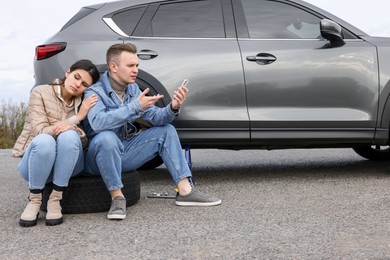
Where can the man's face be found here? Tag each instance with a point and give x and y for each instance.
(127, 69)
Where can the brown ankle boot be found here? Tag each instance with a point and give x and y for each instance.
(54, 214)
(30, 214)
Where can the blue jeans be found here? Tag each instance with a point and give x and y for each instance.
(47, 159)
(108, 156)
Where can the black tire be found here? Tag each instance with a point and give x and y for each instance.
(150, 165)
(374, 153)
(87, 194)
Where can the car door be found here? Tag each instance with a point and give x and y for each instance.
(298, 86)
(197, 40)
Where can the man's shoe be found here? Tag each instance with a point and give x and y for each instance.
(196, 198)
(118, 209)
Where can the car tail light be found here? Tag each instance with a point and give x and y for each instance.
(47, 50)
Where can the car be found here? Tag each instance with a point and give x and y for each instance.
(263, 74)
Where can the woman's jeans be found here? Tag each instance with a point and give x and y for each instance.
(108, 156)
(47, 159)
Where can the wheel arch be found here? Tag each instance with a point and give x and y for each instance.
(382, 133)
(385, 118)
(146, 80)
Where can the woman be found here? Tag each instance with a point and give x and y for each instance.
(51, 143)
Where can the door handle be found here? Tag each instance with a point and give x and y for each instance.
(262, 58)
(147, 54)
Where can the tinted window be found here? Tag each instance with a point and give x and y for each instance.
(197, 19)
(274, 20)
(128, 20)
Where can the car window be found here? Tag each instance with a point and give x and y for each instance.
(127, 20)
(196, 19)
(275, 20)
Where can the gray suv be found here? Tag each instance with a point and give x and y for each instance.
(263, 74)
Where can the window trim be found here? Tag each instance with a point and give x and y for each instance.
(108, 19)
(110, 23)
(242, 27)
(227, 19)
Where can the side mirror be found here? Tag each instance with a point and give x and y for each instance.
(332, 32)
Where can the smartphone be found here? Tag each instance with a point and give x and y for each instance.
(184, 84)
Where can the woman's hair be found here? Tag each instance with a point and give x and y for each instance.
(86, 65)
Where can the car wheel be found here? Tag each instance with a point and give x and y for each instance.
(88, 194)
(150, 165)
(374, 152)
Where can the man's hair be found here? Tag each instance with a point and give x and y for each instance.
(115, 51)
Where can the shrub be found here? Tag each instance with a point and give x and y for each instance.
(12, 117)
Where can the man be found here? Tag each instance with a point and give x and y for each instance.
(116, 145)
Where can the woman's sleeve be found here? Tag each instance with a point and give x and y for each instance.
(38, 114)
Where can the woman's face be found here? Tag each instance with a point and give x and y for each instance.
(77, 82)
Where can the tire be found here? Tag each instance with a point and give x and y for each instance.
(150, 165)
(374, 153)
(88, 194)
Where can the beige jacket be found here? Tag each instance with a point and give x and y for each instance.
(46, 107)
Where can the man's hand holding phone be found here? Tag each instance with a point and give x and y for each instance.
(180, 95)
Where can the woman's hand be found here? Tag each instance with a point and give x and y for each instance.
(86, 106)
(61, 127)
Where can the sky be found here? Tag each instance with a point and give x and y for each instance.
(24, 24)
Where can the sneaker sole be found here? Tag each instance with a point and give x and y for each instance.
(116, 217)
(199, 204)
(54, 222)
(27, 223)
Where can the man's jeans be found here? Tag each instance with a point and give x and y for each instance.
(47, 159)
(108, 156)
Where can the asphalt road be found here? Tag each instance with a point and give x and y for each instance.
(291, 204)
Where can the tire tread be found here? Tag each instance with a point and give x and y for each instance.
(88, 194)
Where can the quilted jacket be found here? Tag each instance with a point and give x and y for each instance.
(46, 107)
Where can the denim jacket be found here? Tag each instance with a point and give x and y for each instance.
(111, 114)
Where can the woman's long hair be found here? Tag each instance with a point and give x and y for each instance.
(86, 65)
